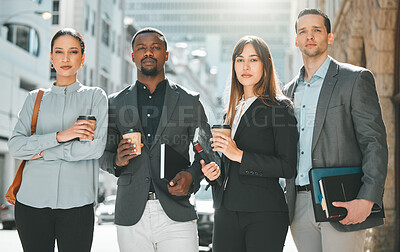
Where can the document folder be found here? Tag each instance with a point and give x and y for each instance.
(333, 180)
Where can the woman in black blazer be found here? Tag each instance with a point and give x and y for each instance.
(251, 213)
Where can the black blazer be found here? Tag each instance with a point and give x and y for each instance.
(267, 135)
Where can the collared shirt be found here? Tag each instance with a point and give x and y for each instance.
(150, 106)
(67, 174)
(305, 107)
(240, 110)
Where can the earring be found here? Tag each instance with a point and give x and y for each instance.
(51, 66)
(82, 65)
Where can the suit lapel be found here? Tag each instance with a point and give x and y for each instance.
(170, 102)
(132, 113)
(324, 99)
(245, 121)
(292, 88)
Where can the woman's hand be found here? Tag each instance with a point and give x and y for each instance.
(211, 170)
(37, 156)
(81, 129)
(227, 146)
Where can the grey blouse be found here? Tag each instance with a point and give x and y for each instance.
(67, 175)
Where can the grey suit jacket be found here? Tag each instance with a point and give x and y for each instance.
(182, 113)
(348, 131)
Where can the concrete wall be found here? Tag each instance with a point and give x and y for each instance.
(365, 35)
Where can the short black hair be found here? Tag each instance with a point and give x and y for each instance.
(314, 12)
(149, 29)
(70, 32)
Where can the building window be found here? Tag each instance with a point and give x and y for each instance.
(113, 42)
(93, 22)
(104, 83)
(23, 84)
(91, 78)
(86, 17)
(37, 1)
(24, 36)
(118, 46)
(105, 36)
(56, 12)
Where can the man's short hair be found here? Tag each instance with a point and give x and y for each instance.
(147, 30)
(314, 12)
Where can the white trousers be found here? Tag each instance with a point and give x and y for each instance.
(311, 236)
(156, 232)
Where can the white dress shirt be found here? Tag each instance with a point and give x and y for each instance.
(240, 110)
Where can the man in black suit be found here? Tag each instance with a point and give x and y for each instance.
(151, 214)
(340, 125)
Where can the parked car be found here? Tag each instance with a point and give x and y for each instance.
(7, 216)
(205, 210)
(105, 212)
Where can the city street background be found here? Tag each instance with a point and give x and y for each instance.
(201, 35)
(104, 240)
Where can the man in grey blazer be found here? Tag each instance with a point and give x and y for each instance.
(152, 214)
(340, 125)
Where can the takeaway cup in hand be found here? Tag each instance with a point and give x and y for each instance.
(135, 137)
(222, 128)
(92, 120)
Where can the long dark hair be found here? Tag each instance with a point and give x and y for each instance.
(71, 32)
(267, 89)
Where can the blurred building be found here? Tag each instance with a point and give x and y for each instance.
(101, 23)
(24, 65)
(216, 26)
(367, 34)
(189, 68)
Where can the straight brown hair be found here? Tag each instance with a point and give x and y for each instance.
(267, 89)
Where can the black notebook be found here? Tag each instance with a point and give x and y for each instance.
(171, 163)
(202, 144)
(342, 188)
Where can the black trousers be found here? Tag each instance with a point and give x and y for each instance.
(249, 231)
(38, 228)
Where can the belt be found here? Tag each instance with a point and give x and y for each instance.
(304, 188)
(152, 196)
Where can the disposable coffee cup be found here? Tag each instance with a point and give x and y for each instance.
(135, 136)
(92, 120)
(222, 128)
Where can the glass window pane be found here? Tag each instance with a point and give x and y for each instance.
(93, 22)
(105, 37)
(86, 17)
(56, 5)
(33, 42)
(22, 39)
(55, 19)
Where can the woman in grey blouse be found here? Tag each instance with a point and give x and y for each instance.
(59, 182)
